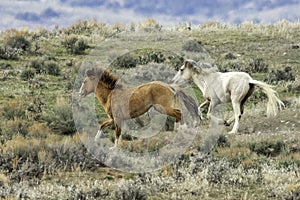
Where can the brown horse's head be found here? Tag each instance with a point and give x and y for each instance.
(95, 76)
(90, 82)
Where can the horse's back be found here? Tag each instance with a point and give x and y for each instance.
(235, 75)
(234, 79)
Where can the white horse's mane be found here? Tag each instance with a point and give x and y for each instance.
(203, 67)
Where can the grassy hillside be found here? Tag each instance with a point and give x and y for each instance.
(42, 154)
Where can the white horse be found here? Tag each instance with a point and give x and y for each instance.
(234, 87)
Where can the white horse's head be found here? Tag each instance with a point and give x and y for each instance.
(185, 72)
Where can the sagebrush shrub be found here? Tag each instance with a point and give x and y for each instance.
(37, 65)
(19, 42)
(75, 46)
(52, 68)
(44, 66)
(13, 109)
(258, 65)
(192, 45)
(15, 127)
(130, 191)
(60, 119)
(267, 148)
(27, 74)
(9, 53)
(125, 61)
(276, 76)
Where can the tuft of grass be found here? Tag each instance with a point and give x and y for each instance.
(266, 148)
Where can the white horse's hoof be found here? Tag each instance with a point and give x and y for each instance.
(98, 135)
(226, 123)
(232, 132)
(113, 148)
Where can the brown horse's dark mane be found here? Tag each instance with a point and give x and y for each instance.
(105, 77)
(108, 79)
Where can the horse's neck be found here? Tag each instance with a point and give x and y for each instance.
(103, 94)
(202, 81)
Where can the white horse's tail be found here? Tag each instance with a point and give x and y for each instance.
(274, 103)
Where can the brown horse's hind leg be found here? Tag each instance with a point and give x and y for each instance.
(102, 126)
(118, 134)
(169, 111)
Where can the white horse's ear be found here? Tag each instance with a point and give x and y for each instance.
(187, 63)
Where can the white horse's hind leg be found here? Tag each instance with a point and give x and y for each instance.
(237, 116)
(98, 135)
(200, 108)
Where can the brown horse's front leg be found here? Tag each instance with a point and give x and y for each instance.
(118, 134)
(102, 126)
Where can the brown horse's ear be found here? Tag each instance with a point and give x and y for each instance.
(90, 72)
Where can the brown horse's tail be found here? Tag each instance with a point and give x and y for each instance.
(189, 108)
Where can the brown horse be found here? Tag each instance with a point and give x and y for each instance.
(125, 103)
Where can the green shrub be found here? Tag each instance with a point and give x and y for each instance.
(60, 119)
(276, 76)
(27, 74)
(223, 141)
(42, 66)
(145, 56)
(151, 56)
(254, 66)
(80, 47)
(125, 61)
(193, 45)
(130, 191)
(258, 65)
(19, 42)
(75, 46)
(15, 127)
(266, 148)
(52, 68)
(37, 65)
(9, 53)
(175, 61)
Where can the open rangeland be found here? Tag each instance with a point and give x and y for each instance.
(42, 155)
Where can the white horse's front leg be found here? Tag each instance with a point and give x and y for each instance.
(229, 121)
(99, 134)
(237, 116)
